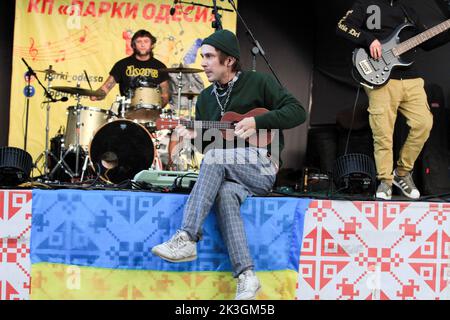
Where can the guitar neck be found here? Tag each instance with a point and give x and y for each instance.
(194, 124)
(421, 38)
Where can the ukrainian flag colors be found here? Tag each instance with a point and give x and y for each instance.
(96, 245)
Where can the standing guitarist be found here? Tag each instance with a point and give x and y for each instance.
(366, 24)
(228, 175)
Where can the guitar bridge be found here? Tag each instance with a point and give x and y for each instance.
(365, 66)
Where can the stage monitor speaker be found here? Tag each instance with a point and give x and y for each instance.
(15, 166)
(355, 174)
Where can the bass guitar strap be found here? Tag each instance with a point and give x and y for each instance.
(407, 15)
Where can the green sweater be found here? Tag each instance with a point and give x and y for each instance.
(255, 90)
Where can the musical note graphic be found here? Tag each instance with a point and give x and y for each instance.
(32, 50)
(74, 45)
(62, 56)
(83, 37)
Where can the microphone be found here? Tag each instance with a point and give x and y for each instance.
(172, 8)
(30, 70)
(62, 99)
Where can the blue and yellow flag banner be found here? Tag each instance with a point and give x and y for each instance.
(70, 36)
(97, 245)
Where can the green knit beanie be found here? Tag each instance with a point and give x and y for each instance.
(226, 41)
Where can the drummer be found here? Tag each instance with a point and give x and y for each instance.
(140, 65)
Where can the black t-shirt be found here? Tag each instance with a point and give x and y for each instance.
(127, 70)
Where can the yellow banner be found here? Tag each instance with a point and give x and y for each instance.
(70, 36)
(64, 282)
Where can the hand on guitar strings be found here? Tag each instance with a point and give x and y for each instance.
(376, 50)
(182, 132)
(245, 128)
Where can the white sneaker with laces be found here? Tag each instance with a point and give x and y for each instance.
(406, 185)
(248, 286)
(384, 191)
(180, 248)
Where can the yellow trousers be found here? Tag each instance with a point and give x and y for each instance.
(409, 97)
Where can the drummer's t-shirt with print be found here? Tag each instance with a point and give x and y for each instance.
(131, 72)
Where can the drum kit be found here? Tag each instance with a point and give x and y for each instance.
(118, 143)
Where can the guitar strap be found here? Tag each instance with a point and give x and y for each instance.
(408, 17)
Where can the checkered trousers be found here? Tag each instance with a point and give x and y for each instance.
(226, 178)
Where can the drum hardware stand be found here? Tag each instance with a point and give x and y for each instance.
(157, 163)
(86, 161)
(179, 86)
(77, 134)
(187, 148)
(123, 105)
(61, 162)
(46, 153)
(178, 113)
(122, 108)
(190, 150)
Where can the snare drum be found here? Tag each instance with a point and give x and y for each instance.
(90, 120)
(146, 105)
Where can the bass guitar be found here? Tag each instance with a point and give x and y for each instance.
(376, 73)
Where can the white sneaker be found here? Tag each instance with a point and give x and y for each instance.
(248, 286)
(406, 184)
(384, 191)
(179, 248)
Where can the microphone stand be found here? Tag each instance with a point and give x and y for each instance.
(31, 72)
(217, 24)
(205, 5)
(51, 99)
(28, 95)
(257, 49)
(47, 94)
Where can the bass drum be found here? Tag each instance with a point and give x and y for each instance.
(121, 149)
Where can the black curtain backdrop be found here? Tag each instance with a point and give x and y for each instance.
(285, 32)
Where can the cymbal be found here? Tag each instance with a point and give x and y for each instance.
(180, 70)
(190, 94)
(50, 71)
(79, 91)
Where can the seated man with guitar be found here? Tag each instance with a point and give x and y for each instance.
(246, 103)
(387, 31)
